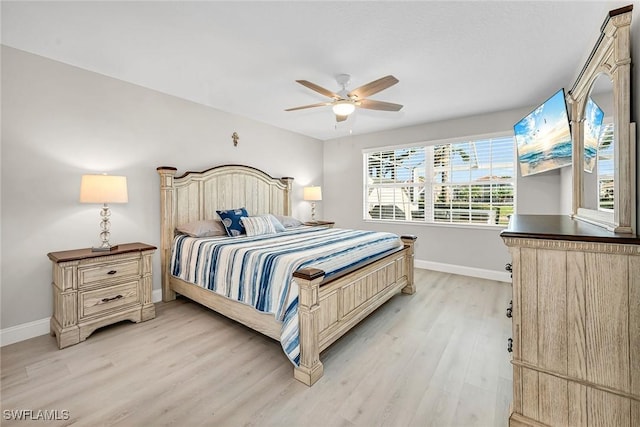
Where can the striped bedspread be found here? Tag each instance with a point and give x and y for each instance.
(258, 270)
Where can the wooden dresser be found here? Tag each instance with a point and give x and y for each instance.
(95, 289)
(576, 323)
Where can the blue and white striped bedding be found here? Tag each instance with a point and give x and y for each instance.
(258, 270)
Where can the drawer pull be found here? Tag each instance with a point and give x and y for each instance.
(509, 268)
(112, 272)
(510, 309)
(510, 345)
(112, 298)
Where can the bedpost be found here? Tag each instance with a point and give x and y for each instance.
(310, 369)
(167, 226)
(288, 181)
(409, 241)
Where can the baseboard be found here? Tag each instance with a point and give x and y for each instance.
(36, 328)
(24, 331)
(156, 295)
(481, 273)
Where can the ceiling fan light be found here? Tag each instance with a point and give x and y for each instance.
(343, 108)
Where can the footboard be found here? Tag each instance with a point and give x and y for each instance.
(327, 309)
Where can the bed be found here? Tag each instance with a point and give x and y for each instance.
(329, 303)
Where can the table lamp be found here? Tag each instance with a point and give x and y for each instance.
(104, 189)
(313, 194)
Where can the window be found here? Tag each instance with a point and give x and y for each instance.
(465, 182)
(605, 168)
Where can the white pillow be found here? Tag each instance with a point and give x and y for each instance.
(204, 228)
(277, 225)
(288, 221)
(258, 225)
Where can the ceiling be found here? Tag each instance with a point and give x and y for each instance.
(453, 59)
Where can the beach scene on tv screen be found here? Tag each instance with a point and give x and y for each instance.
(543, 137)
(593, 116)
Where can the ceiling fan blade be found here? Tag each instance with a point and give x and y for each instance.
(319, 104)
(319, 89)
(370, 104)
(341, 118)
(373, 87)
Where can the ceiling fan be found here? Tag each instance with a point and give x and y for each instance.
(344, 103)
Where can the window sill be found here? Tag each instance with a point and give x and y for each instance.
(437, 224)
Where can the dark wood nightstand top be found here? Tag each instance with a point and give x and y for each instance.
(77, 254)
(321, 223)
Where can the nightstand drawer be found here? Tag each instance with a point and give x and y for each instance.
(110, 298)
(98, 273)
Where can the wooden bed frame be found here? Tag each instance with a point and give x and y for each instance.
(327, 309)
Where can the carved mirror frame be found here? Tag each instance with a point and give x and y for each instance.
(611, 56)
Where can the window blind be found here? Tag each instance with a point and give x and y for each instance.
(466, 182)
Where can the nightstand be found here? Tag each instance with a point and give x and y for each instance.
(328, 224)
(95, 289)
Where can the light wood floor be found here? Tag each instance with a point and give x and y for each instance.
(436, 358)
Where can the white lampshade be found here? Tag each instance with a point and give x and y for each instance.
(343, 108)
(313, 193)
(103, 189)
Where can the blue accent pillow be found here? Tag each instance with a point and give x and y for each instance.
(231, 221)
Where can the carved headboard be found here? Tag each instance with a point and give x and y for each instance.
(197, 195)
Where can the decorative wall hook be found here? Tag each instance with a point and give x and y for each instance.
(235, 138)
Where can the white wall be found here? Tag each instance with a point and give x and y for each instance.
(548, 193)
(467, 247)
(60, 122)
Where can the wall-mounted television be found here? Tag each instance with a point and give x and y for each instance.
(593, 116)
(543, 137)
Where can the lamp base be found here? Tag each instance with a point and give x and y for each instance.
(105, 247)
(105, 213)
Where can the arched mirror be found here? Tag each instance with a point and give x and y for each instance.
(598, 183)
(603, 138)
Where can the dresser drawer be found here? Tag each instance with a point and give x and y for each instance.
(97, 273)
(110, 298)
